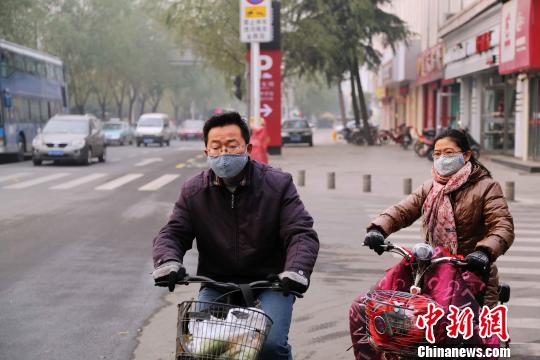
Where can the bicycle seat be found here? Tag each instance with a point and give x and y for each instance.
(504, 293)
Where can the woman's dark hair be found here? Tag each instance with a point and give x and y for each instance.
(230, 118)
(461, 138)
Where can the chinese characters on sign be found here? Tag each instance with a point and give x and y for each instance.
(491, 322)
(256, 21)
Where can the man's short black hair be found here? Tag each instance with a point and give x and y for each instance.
(229, 118)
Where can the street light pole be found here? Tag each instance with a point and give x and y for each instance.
(255, 73)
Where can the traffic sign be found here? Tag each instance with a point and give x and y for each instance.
(256, 21)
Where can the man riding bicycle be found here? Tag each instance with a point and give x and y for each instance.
(249, 223)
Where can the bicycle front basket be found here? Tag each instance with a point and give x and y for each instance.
(220, 331)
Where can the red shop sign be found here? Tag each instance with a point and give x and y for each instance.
(483, 42)
(520, 36)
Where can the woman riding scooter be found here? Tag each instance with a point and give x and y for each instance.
(463, 210)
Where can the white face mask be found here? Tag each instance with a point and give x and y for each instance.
(449, 165)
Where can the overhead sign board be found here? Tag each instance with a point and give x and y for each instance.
(256, 21)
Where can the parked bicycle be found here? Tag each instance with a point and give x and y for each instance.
(401, 136)
(231, 328)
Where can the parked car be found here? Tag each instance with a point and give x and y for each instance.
(296, 131)
(153, 128)
(70, 137)
(118, 132)
(191, 129)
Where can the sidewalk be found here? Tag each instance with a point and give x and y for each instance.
(344, 268)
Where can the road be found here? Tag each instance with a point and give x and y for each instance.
(75, 250)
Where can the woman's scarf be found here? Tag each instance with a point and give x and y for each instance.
(439, 223)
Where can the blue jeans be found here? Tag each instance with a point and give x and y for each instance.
(279, 308)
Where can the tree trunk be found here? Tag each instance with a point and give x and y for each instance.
(119, 100)
(363, 105)
(342, 109)
(134, 93)
(353, 100)
(142, 102)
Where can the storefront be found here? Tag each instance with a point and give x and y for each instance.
(487, 100)
(429, 67)
(396, 74)
(520, 58)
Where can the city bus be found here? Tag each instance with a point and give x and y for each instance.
(32, 90)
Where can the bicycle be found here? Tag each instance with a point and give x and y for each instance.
(222, 329)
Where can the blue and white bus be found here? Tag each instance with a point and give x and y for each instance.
(32, 90)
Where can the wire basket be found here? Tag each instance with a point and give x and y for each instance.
(220, 331)
(390, 318)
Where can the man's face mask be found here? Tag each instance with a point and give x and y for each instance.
(227, 166)
(447, 165)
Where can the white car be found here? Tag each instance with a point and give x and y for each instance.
(153, 128)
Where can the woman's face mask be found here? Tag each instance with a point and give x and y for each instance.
(447, 165)
(227, 166)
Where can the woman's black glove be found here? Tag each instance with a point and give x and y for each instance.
(478, 262)
(375, 239)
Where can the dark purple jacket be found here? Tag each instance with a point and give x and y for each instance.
(260, 229)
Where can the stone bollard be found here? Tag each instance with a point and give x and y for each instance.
(510, 191)
(367, 183)
(301, 177)
(331, 180)
(407, 186)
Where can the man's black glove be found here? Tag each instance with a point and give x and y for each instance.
(478, 262)
(168, 273)
(292, 281)
(375, 239)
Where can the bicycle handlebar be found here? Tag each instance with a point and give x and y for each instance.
(260, 284)
(388, 246)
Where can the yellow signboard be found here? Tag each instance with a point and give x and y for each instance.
(255, 12)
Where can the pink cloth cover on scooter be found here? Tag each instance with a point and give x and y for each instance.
(444, 283)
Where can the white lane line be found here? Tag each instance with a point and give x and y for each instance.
(519, 259)
(200, 156)
(519, 301)
(518, 271)
(6, 178)
(523, 323)
(77, 182)
(159, 182)
(114, 184)
(148, 161)
(39, 180)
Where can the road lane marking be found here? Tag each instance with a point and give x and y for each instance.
(159, 182)
(39, 180)
(519, 259)
(148, 161)
(523, 301)
(200, 156)
(7, 178)
(114, 184)
(77, 182)
(181, 166)
(523, 323)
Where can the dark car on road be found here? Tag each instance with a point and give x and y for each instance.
(191, 129)
(70, 137)
(296, 131)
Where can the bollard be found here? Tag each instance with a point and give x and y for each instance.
(301, 177)
(510, 191)
(407, 186)
(331, 180)
(367, 183)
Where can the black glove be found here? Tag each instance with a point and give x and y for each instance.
(375, 239)
(478, 262)
(168, 273)
(291, 281)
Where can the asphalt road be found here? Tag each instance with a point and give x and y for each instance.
(75, 250)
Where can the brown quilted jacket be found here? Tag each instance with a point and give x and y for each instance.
(482, 218)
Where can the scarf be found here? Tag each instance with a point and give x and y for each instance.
(439, 223)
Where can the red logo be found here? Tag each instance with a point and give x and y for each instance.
(429, 320)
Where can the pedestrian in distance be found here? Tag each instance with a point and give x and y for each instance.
(249, 223)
